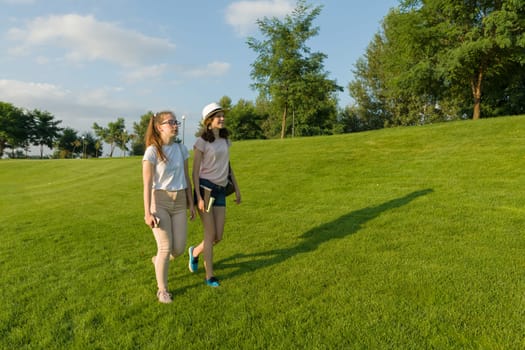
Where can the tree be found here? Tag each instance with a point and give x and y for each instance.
(375, 100)
(45, 130)
(114, 134)
(350, 121)
(406, 64)
(98, 148)
(505, 96)
(288, 75)
(244, 121)
(138, 146)
(91, 146)
(438, 60)
(122, 143)
(479, 39)
(15, 127)
(68, 144)
(225, 102)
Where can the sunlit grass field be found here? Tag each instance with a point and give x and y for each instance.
(405, 238)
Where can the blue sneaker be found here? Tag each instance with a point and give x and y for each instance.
(193, 263)
(213, 282)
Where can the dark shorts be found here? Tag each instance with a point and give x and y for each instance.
(217, 192)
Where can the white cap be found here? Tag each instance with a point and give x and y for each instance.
(210, 109)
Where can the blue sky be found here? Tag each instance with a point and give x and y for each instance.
(89, 61)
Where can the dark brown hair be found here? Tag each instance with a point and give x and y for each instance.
(207, 132)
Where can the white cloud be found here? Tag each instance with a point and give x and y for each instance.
(242, 15)
(213, 69)
(76, 109)
(145, 73)
(85, 39)
(13, 89)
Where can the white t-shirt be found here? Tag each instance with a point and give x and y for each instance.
(215, 160)
(169, 174)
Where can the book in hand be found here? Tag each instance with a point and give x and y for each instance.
(208, 199)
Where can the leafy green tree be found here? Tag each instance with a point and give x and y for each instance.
(350, 121)
(138, 146)
(244, 122)
(479, 40)
(15, 126)
(408, 61)
(289, 76)
(115, 135)
(68, 144)
(505, 96)
(269, 123)
(396, 82)
(368, 89)
(434, 60)
(91, 146)
(45, 130)
(225, 102)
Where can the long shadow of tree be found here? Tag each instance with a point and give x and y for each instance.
(311, 240)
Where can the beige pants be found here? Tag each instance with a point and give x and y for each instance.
(170, 208)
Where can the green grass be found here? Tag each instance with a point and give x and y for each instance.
(406, 238)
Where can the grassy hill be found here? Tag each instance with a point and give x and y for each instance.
(405, 238)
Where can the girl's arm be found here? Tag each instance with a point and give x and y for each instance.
(147, 179)
(236, 186)
(189, 194)
(197, 158)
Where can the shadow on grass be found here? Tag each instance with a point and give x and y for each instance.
(311, 240)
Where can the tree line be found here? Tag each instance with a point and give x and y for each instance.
(431, 61)
(20, 129)
(438, 60)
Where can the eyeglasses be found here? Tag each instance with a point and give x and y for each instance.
(171, 122)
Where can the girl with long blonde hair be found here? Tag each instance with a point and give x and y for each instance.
(167, 194)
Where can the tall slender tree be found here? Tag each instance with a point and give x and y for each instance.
(115, 134)
(138, 145)
(288, 75)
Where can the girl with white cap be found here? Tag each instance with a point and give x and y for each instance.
(211, 167)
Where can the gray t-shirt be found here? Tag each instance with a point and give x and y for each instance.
(215, 160)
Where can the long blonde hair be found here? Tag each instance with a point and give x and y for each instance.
(152, 133)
